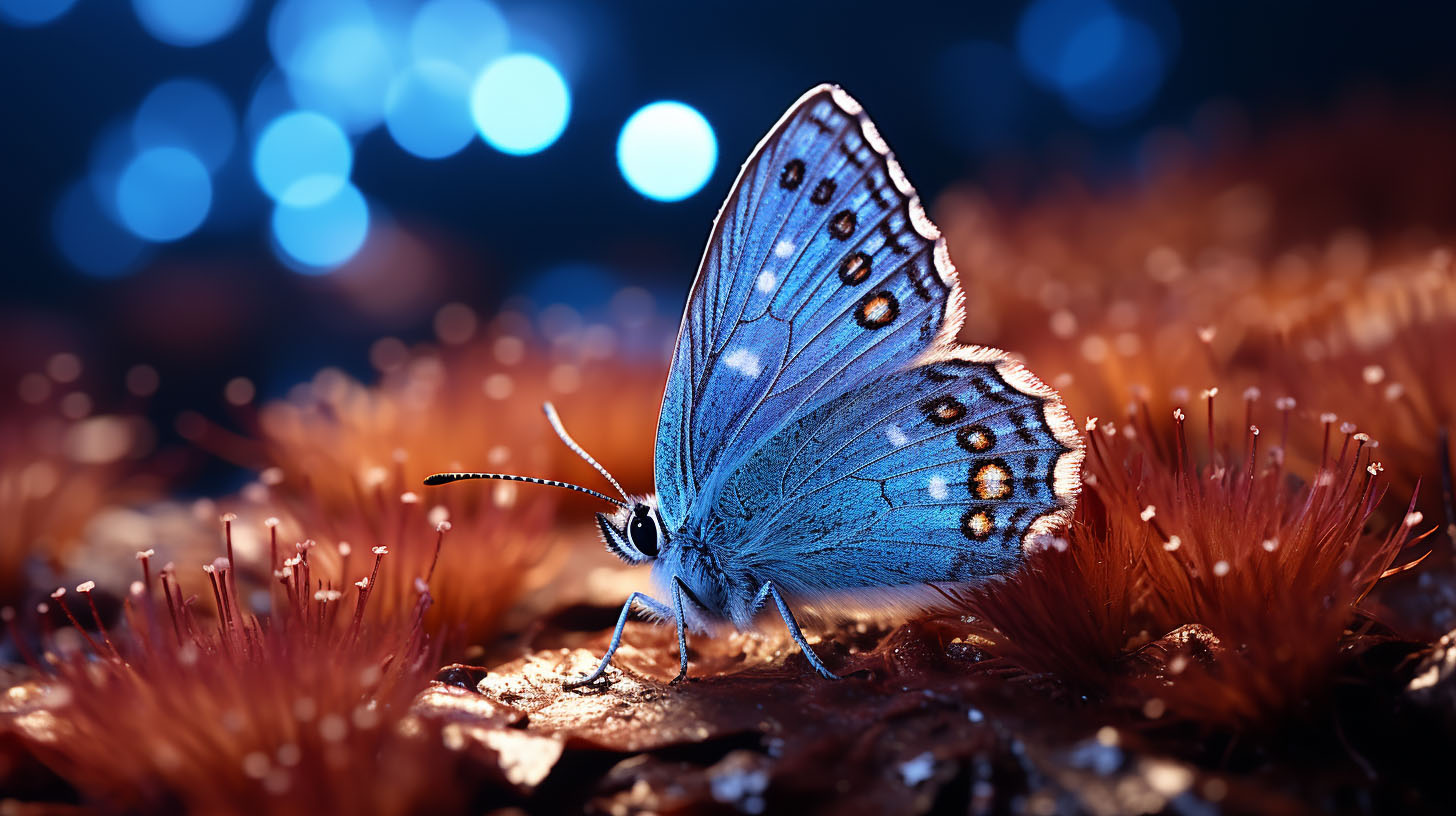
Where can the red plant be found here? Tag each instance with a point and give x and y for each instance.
(303, 710)
(1217, 582)
(60, 465)
(1379, 345)
(345, 461)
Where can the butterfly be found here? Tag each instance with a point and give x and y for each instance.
(824, 438)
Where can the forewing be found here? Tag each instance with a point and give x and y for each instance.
(822, 273)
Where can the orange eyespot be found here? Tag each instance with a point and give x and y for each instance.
(944, 410)
(976, 438)
(854, 269)
(977, 525)
(877, 310)
(991, 480)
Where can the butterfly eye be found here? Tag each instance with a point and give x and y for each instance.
(642, 532)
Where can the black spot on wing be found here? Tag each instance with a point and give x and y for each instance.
(893, 239)
(877, 192)
(1019, 420)
(823, 191)
(793, 174)
(913, 272)
(976, 438)
(991, 393)
(854, 269)
(1031, 483)
(1012, 525)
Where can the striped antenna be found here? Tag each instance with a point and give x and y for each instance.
(446, 478)
(555, 420)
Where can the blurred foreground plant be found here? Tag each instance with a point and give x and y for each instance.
(61, 463)
(303, 710)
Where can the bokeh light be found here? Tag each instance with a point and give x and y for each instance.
(468, 34)
(667, 151)
(1128, 82)
(1105, 60)
(1047, 39)
(89, 238)
(163, 194)
(573, 37)
(323, 235)
(114, 147)
(190, 114)
(338, 57)
(587, 287)
(269, 100)
(29, 13)
(428, 109)
(520, 104)
(189, 22)
(302, 158)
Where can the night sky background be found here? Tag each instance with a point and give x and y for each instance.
(955, 89)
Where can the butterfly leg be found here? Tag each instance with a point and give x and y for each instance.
(771, 591)
(653, 606)
(682, 637)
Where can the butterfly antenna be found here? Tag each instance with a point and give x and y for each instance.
(555, 420)
(446, 478)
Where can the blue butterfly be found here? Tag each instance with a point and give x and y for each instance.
(824, 438)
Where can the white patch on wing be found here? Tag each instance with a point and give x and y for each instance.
(896, 436)
(938, 488)
(784, 249)
(744, 362)
(766, 281)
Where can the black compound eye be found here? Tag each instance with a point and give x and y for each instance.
(642, 532)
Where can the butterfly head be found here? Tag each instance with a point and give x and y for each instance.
(634, 534)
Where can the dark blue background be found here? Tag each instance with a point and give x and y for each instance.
(740, 64)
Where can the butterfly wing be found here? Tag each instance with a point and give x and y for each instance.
(939, 472)
(822, 273)
(822, 428)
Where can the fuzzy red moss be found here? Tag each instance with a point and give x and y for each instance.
(345, 461)
(305, 710)
(60, 465)
(1265, 569)
(1374, 355)
(1068, 612)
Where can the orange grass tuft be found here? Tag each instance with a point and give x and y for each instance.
(1194, 272)
(1379, 354)
(1214, 581)
(305, 710)
(474, 403)
(344, 461)
(61, 464)
(1068, 612)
